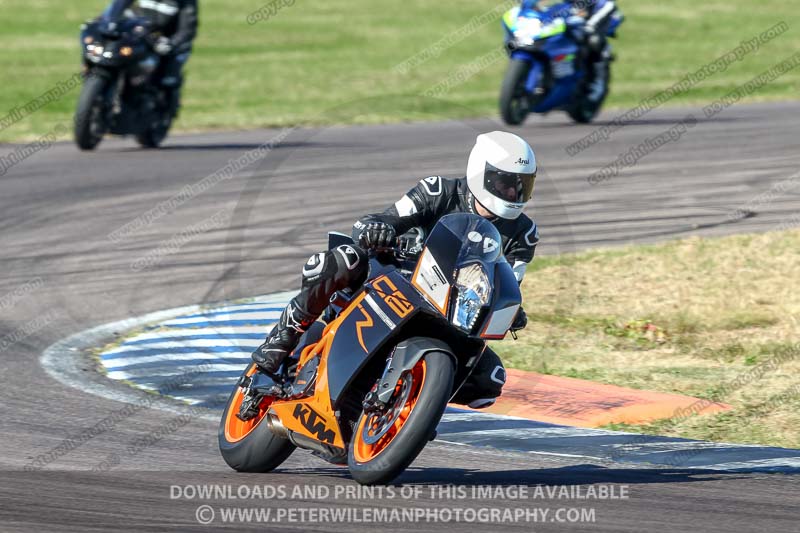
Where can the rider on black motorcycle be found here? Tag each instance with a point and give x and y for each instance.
(499, 181)
(176, 20)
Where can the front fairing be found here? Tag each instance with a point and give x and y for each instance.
(463, 274)
(107, 51)
(527, 27)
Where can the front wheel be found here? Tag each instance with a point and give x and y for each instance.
(385, 443)
(514, 99)
(90, 123)
(250, 446)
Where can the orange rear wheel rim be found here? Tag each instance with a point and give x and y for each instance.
(364, 451)
(236, 429)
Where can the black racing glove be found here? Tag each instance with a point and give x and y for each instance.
(520, 321)
(377, 235)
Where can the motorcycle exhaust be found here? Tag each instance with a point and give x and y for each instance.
(324, 451)
(276, 426)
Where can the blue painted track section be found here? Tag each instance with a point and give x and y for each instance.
(197, 358)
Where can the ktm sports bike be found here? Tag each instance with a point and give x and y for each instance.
(369, 388)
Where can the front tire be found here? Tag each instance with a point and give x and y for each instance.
(89, 120)
(378, 454)
(514, 100)
(250, 446)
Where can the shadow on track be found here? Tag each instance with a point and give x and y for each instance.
(224, 146)
(635, 122)
(585, 474)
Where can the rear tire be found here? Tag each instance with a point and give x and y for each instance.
(378, 463)
(89, 121)
(250, 446)
(155, 134)
(514, 102)
(584, 111)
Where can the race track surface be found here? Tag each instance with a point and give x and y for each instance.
(67, 268)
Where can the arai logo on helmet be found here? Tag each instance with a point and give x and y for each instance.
(521, 161)
(489, 244)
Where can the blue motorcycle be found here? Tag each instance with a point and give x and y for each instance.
(547, 70)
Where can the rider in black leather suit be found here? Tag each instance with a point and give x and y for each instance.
(500, 176)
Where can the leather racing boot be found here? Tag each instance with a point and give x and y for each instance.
(282, 339)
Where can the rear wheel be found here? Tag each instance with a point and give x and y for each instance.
(584, 110)
(155, 133)
(250, 446)
(90, 123)
(385, 443)
(514, 100)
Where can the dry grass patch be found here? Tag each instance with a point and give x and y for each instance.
(713, 318)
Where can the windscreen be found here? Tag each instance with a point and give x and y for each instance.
(472, 237)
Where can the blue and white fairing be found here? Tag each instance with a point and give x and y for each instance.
(546, 38)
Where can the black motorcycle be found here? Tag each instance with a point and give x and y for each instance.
(121, 94)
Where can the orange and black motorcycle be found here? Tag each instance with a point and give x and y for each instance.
(369, 388)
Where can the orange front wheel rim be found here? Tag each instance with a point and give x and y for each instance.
(376, 431)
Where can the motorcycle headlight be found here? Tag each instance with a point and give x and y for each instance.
(473, 292)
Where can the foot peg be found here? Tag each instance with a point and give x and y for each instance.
(255, 388)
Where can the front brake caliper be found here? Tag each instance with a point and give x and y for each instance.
(372, 403)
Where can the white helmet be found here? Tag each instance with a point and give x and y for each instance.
(501, 172)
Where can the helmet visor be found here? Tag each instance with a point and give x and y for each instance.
(508, 186)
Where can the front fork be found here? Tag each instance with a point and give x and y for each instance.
(111, 103)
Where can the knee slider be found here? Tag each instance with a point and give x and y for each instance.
(318, 267)
(497, 379)
(352, 265)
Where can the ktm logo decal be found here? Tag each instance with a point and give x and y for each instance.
(361, 324)
(395, 299)
(314, 423)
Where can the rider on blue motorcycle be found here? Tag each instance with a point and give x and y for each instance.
(499, 182)
(588, 21)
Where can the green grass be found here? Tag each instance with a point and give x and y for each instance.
(689, 317)
(333, 62)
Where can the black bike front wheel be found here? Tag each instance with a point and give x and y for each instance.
(90, 123)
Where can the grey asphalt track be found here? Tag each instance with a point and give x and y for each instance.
(62, 273)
